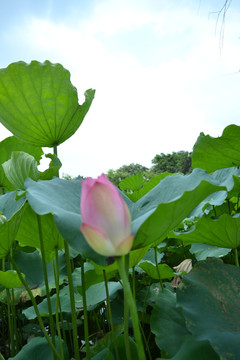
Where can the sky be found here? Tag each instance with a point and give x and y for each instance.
(163, 70)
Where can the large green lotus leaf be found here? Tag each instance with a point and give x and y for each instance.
(30, 264)
(38, 103)
(9, 205)
(149, 185)
(165, 271)
(154, 226)
(209, 296)
(95, 294)
(11, 143)
(38, 349)
(10, 279)
(190, 349)
(168, 319)
(62, 198)
(229, 178)
(28, 233)
(216, 153)
(91, 276)
(19, 168)
(235, 191)
(8, 232)
(172, 188)
(132, 183)
(7, 146)
(103, 348)
(203, 251)
(53, 169)
(222, 232)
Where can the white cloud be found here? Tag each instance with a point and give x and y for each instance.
(139, 110)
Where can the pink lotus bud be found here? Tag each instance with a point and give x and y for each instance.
(106, 220)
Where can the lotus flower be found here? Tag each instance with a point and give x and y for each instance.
(106, 220)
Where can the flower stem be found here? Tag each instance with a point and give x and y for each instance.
(132, 306)
(126, 314)
(236, 257)
(110, 316)
(51, 320)
(35, 307)
(158, 272)
(85, 314)
(72, 302)
(56, 277)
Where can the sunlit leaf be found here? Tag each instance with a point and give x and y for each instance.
(19, 168)
(10, 279)
(7, 146)
(211, 153)
(38, 103)
(132, 183)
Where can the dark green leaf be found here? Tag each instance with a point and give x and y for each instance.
(222, 232)
(154, 222)
(8, 232)
(30, 264)
(167, 322)
(203, 251)
(165, 271)
(191, 348)
(209, 296)
(28, 233)
(38, 349)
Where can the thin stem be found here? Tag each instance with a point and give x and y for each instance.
(35, 307)
(13, 311)
(146, 343)
(236, 257)
(132, 306)
(44, 264)
(55, 153)
(158, 272)
(56, 277)
(72, 302)
(110, 315)
(133, 283)
(10, 323)
(126, 314)
(85, 314)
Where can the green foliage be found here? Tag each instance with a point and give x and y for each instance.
(209, 295)
(54, 287)
(9, 279)
(41, 105)
(115, 176)
(173, 163)
(216, 153)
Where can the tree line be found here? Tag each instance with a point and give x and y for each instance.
(176, 162)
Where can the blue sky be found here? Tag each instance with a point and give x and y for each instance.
(160, 73)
